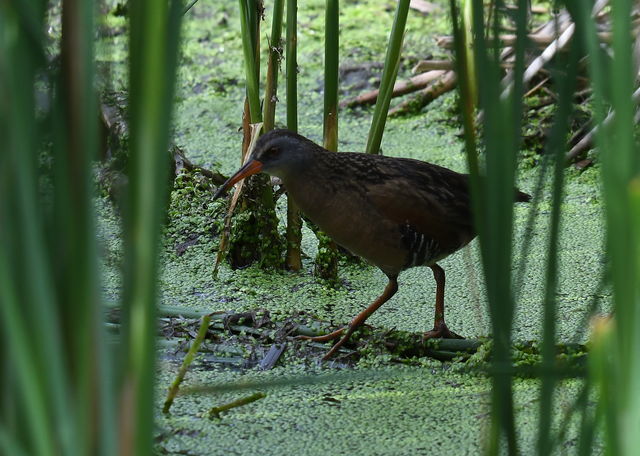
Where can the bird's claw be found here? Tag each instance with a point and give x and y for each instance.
(337, 346)
(333, 335)
(440, 331)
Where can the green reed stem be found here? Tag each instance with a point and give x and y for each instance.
(248, 27)
(292, 65)
(153, 60)
(389, 74)
(566, 87)
(331, 72)
(293, 259)
(275, 55)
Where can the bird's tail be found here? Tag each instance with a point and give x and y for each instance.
(522, 197)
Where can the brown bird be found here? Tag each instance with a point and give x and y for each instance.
(396, 213)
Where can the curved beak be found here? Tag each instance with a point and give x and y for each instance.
(249, 169)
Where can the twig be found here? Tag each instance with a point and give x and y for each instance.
(188, 359)
(536, 88)
(400, 88)
(215, 411)
(444, 84)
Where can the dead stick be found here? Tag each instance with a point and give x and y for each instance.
(400, 88)
(536, 88)
(428, 65)
(444, 84)
(215, 411)
(188, 359)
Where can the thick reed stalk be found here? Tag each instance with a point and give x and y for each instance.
(327, 259)
(566, 84)
(492, 196)
(153, 60)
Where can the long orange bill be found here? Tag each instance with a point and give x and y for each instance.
(249, 169)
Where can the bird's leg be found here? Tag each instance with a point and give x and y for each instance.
(439, 326)
(358, 320)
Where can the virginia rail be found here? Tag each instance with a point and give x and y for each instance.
(396, 213)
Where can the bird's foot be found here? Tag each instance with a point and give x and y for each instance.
(333, 335)
(440, 331)
(327, 337)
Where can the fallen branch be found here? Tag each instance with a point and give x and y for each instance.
(400, 88)
(444, 84)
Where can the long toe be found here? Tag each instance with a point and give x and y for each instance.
(327, 337)
(335, 348)
(441, 331)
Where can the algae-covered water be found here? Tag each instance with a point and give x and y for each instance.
(427, 408)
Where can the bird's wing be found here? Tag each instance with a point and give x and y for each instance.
(432, 201)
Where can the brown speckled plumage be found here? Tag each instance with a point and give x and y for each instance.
(395, 212)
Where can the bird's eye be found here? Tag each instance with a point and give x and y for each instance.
(272, 153)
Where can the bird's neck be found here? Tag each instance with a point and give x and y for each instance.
(309, 186)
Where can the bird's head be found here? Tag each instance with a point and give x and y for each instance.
(278, 153)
